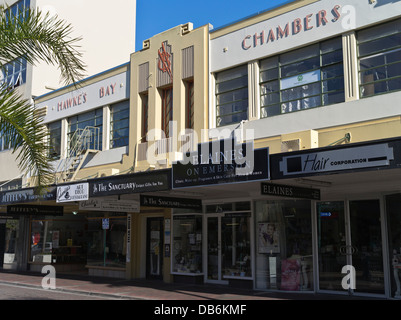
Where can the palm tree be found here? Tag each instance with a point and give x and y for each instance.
(34, 37)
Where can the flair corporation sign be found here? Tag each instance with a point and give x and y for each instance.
(327, 160)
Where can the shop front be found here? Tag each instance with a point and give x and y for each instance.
(354, 228)
(325, 220)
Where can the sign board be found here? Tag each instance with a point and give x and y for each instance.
(105, 223)
(289, 191)
(86, 98)
(99, 204)
(33, 210)
(27, 195)
(363, 156)
(73, 192)
(219, 162)
(131, 183)
(167, 202)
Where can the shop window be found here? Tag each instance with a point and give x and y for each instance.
(302, 79)
(93, 123)
(284, 245)
(55, 139)
(236, 248)
(232, 96)
(10, 243)
(119, 124)
(167, 110)
(379, 50)
(106, 241)
(187, 244)
(58, 240)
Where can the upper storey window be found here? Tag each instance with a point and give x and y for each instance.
(232, 96)
(379, 50)
(302, 79)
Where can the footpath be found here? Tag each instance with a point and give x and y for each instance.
(142, 289)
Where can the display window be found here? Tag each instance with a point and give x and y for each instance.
(58, 240)
(236, 245)
(284, 245)
(93, 239)
(187, 244)
(106, 241)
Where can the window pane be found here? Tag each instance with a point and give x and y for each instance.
(270, 111)
(300, 92)
(270, 63)
(300, 54)
(333, 97)
(333, 71)
(231, 74)
(269, 87)
(119, 124)
(335, 84)
(232, 108)
(332, 57)
(301, 104)
(232, 84)
(232, 94)
(300, 67)
(234, 118)
(380, 31)
(381, 44)
(270, 99)
(267, 75)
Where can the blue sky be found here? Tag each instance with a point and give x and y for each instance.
(155, 16)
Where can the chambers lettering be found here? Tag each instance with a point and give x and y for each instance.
(293, 28)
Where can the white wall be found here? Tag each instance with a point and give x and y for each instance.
(108, 31)
(342, 16)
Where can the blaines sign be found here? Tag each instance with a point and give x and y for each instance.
(221, 161)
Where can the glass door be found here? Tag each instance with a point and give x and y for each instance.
(214, 249)
(154, 252)
(350, 236)
(366, 239)
(332, 253)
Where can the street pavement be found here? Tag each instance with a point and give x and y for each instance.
(142, 289)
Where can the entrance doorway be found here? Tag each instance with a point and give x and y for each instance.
(154, 248)
(350, 234)
(228, 247)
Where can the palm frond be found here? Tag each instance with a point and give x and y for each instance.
(26, 134)
(41, 37)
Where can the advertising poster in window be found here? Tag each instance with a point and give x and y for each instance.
(290, 274)
(268, 239)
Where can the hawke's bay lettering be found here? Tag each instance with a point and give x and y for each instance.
(72, 102)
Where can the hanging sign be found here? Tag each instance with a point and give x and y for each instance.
(73, 192)
(105, 223)
(167, 202)
(289, 191)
